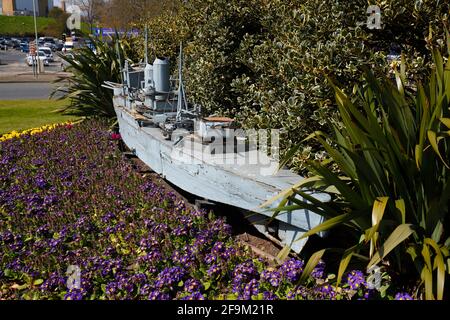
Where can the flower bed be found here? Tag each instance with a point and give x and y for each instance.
(68, 197)
(32, 132)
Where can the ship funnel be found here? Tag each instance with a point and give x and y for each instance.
(161, 77)
(148, 75)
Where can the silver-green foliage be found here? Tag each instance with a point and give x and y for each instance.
(266, 62)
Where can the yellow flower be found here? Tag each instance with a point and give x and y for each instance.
(32, 132)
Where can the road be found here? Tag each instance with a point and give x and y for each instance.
(29, 90)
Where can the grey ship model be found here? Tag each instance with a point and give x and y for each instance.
(203, 155)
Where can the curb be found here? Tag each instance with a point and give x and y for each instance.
(46, 79)
(25, 81)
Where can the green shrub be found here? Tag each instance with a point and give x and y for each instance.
(392, 192)
(266, 62)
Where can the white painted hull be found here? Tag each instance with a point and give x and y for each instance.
(239, 186)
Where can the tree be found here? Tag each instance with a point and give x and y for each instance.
(91, 10)
(126, 13)
(56, 13)
(56, 28)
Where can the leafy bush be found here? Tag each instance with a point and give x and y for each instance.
(64, 203)
(90, 69)
(266, 62)
(392, 193)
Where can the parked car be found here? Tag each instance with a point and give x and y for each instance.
(68, 46)
(15, 43)
(59, 46)
(2, 44)
(50, 45)
(41, 56)
(8, 42)
(24, 47)
(48, 52)
(47, 39)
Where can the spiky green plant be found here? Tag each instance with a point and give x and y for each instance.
(392, 191)
(90, 69)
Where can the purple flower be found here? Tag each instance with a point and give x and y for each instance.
(40, 182)
(300, 291)
(69, 204)
(228, 253)
(145, 290)
(292, 269)
(193, 285)
(210, 258)
(319, 270)
(203, 239)
(108, 217)
(214, 270)
(326, 292)
(169, 276)
(251, 289)
(403, 296)
(180, 231)
(111, 288)
(139, 278)
(194, 296)
(356, 280)
(151, 257)
(267, 295)
(158, 295)
(74, 294)
(242, 274)
(218, 248)
(187, 259)
(148, 243)
(6, 237)
(124, 283)
(273, 277)
(219, 226)
(53, 282)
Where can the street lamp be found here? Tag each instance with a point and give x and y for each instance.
(36, 35)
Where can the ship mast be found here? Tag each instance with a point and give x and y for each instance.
(146, 46)
(181, 104)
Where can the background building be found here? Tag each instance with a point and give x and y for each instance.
(25, 7)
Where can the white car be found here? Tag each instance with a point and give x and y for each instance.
(41, 56)
(48, 52)
(68, 46)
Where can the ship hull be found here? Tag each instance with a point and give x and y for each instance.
(238, 186)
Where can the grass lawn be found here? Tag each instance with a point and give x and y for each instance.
(21, 26)
(24, 25)
(26, 114)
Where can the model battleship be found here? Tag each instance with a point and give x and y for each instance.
(205, 156)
